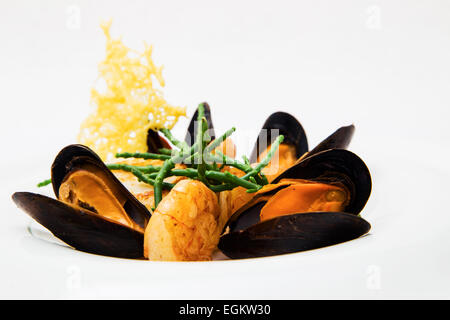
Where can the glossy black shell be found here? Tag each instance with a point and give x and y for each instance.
(293, 233)
(242, 237)
(286, 125)
(335, 165)
(75, 156)
(81, 229)
(340, 139)
(155, 142)
(191, 133)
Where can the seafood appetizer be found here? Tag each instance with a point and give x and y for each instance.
(131, 189)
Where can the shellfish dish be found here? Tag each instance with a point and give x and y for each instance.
(129, 188)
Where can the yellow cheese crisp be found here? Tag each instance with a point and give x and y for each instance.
(130, 105)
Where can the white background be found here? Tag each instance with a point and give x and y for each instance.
(382, 65)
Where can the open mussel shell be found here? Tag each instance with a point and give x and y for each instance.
(156, 142)
(77, 156)
(340, 139)
(286, 125)
(191, 133)
(81, 229)
(329, 166)
(293, 233)
(335, 165)
(85, 229)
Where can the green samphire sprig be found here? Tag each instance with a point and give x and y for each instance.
(201, 161)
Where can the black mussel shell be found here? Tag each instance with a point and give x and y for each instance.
(155, 142)
(75, 156)
(288, 126)
(293, 233)
(340, 139)
(329, 166)
(192, 128)
(82, 229)
(336, 165)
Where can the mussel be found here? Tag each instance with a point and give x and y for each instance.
(293, 233)
(227, 147)
(82, 229)
(293, 228)
(94, 212)
(340, 139)
(281, 123)
(156, 142)
(192, 127)
(295, 145)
